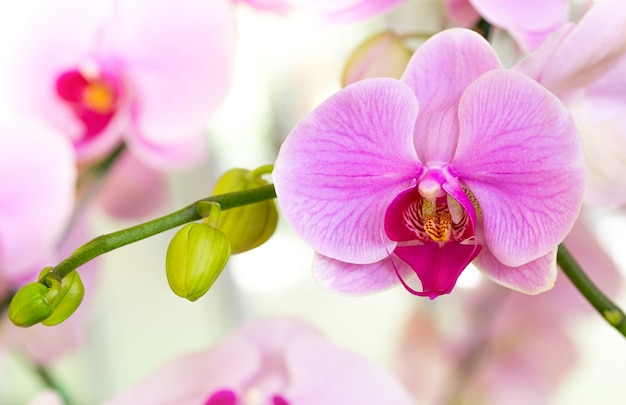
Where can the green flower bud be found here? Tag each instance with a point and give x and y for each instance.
(30, 305)
(67, 299)
(382, 55)
(195, 258)
(249, 226)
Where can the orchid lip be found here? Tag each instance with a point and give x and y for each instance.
(435, 233)
(92, 97)
(229, 397)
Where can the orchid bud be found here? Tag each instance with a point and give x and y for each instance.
(249, 226)
(67, 299)
(195, 258)
(30, 305)
(383, 55)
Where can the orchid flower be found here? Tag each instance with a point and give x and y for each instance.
(328, 10)
(148, 73)
(585, 66)
(528, 22)
(275, 361)
(508, 353)
(37, 174)
(458, 161)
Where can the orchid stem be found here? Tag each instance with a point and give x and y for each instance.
(47, 379)
(111, 241)
(609, 311)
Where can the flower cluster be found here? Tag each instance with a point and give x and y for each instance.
(464, 134)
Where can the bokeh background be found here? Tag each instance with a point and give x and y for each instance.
(284, 67)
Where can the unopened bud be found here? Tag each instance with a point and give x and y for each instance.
(383, 55)
(251, 225)
(30, 305)
(195, 258)
(69, 295)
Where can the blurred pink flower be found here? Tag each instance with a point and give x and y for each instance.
(585, 66)
(45, 344)
(149, 73)
(37, 175)
(272, 362)
(500, 353)
(504, 347)
(134, 190)
(529, 22)
(365, 174)
(280, 7)
(328, 10)
(461, 12)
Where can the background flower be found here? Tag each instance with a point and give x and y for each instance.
(279, 361)
(149, 73)
(592, 86)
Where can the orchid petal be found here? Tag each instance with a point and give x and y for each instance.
(280, 7)
(345, 10)
(316, 367)
(37, 173)
(511, 130)
(272, 335)
(439, 72)
(343, 164)
(591, 48)
(358, 279)
(602, 125)
(531, 278)
(529, 21)
(184, 153)
(437, 267)
(179, 58)
(599, 266)
(192, 378)
(134, 190)
(461, 12)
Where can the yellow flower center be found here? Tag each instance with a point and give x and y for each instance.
(99, 97)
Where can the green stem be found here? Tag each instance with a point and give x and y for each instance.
(47, 379)
(609, 311)
(261, 170)
(111, 241)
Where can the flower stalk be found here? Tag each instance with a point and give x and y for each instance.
(111, 241)
(609, 311)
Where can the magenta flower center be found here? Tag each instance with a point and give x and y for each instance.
(93, 98)
(229, 397)
(435, 235)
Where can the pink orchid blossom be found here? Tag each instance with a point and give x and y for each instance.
(275, 361)
(490, 170)
(328, 10)
(504, 353)
(528, 22)
(585, 66)
(37, 174)
(149, 73)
